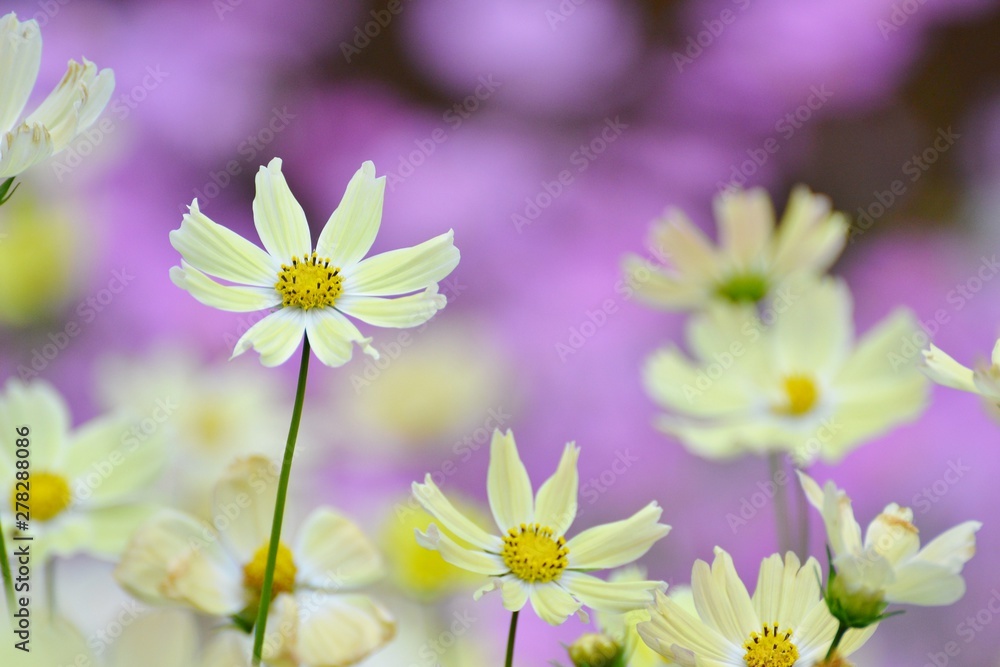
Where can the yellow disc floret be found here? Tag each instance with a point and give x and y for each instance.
(47, 495)
(284, 571)
(533, 554)
(770, 648)
(309, 283)
(801, 395)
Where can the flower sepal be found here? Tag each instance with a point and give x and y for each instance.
(853, 608)
(596, 649)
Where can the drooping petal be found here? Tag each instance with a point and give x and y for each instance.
(612, 596)
(431, 499)
(555, 505)
(332, 337)
(245, 495)
(351, 229)
(508, 486)
(173, 557)
(400, 312)
(23, 147)
(472, 560)
(552, 603)
(218, 251)
(342, 630)
(514, 593)
(927, 584)
(617, 543)
(234, 298)
(37, 410)
(278, 217)
(944, 370)
(333, 553)
(404, 270)
(953, 548)
(20, 59)
(275, 337)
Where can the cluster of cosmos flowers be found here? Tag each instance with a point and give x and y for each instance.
(773, 368)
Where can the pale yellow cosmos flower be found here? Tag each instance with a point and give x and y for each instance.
(531, 559)
(312, 288)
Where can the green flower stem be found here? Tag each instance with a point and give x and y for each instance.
(510, 640)
(8, 580)
(781, 515)
(5, 190)
(279, 508)
(841, 631)
(804, 509)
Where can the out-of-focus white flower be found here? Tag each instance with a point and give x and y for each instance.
(311, 288)
(889, 565)
(752, 259)
(785, 623)
(71, 108)
(315, 618)
(531, 558)
(169, 638)
(944, 370)
(50, 641)
(78, 490)
(801, 385)
(209, 413)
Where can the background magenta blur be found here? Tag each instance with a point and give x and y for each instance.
(548, 134)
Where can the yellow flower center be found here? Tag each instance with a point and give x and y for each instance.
(310, 283)
(47, 496)
(533, 555)
(284, 571)
(801, 394)
(770, 648)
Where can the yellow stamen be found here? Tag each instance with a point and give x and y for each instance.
(284, 571)
(48, 494)
(310, 283)
(533, 555)
(801, 394)
(770, 648)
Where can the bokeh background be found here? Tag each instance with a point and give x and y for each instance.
(473, 110)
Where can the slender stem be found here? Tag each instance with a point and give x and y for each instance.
(510, 640)
(8, 580)
(841, 631)
(279, 508)
(803, 509)
(781, 516)
(50, 586)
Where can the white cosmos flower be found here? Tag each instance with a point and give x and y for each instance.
(944, 370)
(791, 379)
(531, 559)
(316, 618)
(85, 488)
(312, 288)
(752, 258)
(889, 563)
(786, 611)
(71, 108)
